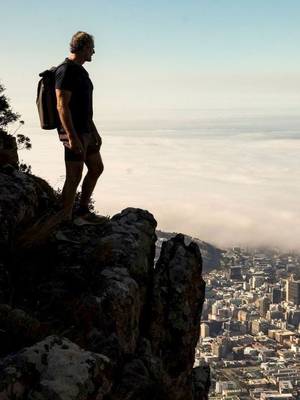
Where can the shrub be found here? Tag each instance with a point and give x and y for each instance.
(11, 139)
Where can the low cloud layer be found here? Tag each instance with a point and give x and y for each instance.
(228, 188)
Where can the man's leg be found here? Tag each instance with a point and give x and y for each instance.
(95, 168)
(73, 177)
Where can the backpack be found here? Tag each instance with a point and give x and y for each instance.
(46, 100)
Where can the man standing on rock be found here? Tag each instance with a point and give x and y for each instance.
(78, 132)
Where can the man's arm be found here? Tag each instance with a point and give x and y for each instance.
(63, 98)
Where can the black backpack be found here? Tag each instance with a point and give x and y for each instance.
(46, 100)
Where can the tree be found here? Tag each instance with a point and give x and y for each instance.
(10, 139)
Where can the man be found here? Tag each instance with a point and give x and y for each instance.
(78, 132)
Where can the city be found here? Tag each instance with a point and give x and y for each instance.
(250, 330)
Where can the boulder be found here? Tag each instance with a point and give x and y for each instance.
(57, 369)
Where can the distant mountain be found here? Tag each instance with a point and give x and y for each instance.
(211, 255)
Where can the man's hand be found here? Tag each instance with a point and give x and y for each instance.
(75, 145)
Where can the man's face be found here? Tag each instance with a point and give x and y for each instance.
(89, 51)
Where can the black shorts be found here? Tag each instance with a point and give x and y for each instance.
(91, 143)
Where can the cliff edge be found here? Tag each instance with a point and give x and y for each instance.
(84, 313)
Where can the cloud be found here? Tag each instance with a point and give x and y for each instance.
(222, 186)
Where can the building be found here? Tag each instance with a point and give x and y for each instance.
(229, 385)
(293, 317)
(285, 387)
(243, 315)
(260, 325)
(293, 291)
(257, 281)
(283, 335)
(204, 330)
(235, 273)
(276, 396)
(264, 304)
(276, 295)
(221, 347)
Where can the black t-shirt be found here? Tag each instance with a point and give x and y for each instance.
(73, 77)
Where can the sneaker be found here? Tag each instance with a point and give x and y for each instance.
(90, 219)
(79, 211)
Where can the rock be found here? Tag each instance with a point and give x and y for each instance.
(5, 287)
(138, 384)
(18, 329)
(23, 198)
(211, 255)
(125, 241)
(121, 308)
(110, 317)
(129, 243)
(57, 369)
(201, 382)
(129, 329)
(178, 296)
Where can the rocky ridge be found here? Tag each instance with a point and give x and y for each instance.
(84, 313)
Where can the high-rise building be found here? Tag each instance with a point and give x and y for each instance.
(221, 347)
(235, 273)
(276, 295)
(264, 304)
(215, 307)
(257, 281)
(293, 291)
(204, 330)
(294, 317)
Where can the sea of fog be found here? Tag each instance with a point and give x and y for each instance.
(225, 178)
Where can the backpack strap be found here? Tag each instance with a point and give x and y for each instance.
(51, 70)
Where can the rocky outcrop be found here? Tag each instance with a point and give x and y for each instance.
(178, 296)
(211, 255)
(89, 301)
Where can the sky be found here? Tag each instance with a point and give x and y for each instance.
(160, 54)
(205, 92)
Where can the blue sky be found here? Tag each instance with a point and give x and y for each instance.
(160, 54)
(205, 34)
